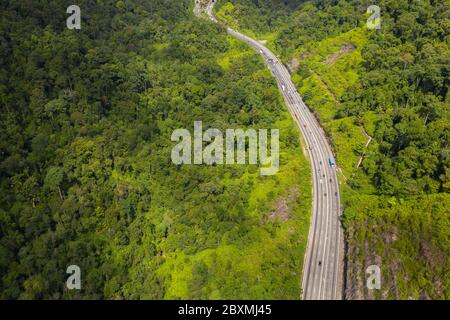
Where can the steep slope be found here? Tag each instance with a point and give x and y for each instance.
(391, 83)
(85, 159)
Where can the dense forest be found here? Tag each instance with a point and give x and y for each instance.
(86, 176)
(382, 96)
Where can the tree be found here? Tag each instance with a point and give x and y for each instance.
(53, 180)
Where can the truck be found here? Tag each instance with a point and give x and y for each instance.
(331, 161)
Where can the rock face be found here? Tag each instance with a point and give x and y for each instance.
(331, 59)
(292, 65)
(282, 211)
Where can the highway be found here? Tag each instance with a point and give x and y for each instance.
(323, 263)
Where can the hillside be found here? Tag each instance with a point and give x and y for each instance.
(85, 159)
(382, 96)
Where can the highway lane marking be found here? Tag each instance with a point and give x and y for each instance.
(328, 221)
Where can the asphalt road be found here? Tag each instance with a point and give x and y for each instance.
(322, 272)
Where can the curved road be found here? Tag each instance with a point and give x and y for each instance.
(322, 271)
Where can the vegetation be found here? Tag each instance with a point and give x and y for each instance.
(85, 166)
(390, 84)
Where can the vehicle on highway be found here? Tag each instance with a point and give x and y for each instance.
(331, 161)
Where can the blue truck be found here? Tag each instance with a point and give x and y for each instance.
(331, 161)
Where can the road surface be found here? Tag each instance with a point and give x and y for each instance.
(322, 271)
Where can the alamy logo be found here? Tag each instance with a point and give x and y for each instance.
(374, 21)
(74, 21)
(74, 280)
(235, 140)
(374, 277)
